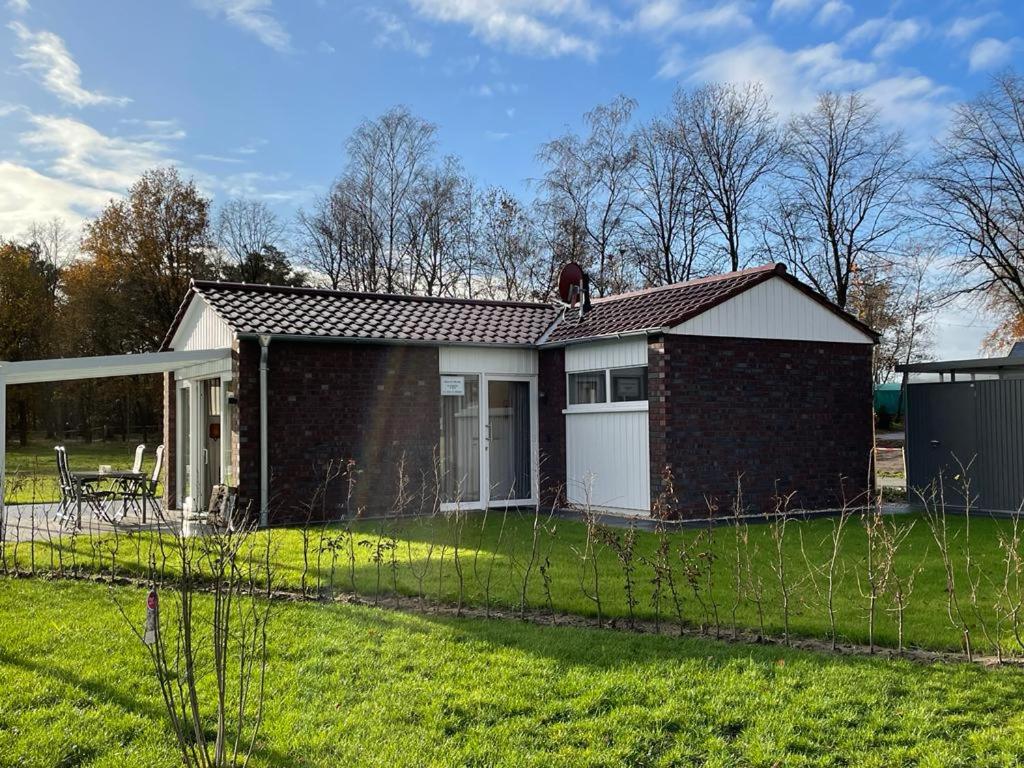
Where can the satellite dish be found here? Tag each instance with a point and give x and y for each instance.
(571, 283)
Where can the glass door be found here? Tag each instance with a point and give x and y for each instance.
(460, 439)
(211, 436)
(184, 445)
(509, 443)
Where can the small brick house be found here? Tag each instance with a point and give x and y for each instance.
(326, 402)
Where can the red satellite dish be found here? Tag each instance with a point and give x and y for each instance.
(571, 283)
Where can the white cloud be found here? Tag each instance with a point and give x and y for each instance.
(395, 34)
(665, 16)
(45, 53)
(524, 26)
(913, 102)
(889, 35)
(26, 195)
(324, 47)
(76, 152)
(497, 135)
(487, 90)
(673, 63)
(18, 6)
(793, 78)
(964, 27)
(791, 7)
(833, 12)
(991, 53)
(253, 16)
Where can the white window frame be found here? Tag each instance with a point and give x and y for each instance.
(608, 405)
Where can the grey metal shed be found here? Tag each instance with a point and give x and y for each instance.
(972, 417)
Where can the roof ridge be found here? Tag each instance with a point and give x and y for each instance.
(200, 285)
(778, 268)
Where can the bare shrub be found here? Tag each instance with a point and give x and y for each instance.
(933, 500)
(227, 637)
(589, 574)
(777, 529)
(825, 577)
(663, 574)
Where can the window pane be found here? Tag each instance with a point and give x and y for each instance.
(460, 441)
(629, 384)
(586, 388)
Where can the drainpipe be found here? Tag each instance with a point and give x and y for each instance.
(264, 447)
(3, 453)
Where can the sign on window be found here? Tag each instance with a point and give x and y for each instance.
(453, 386)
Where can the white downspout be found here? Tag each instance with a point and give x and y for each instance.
(3, 452)
(264, 447)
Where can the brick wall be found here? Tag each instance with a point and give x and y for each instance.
(790, 415)
(551, 422)
(330, 402)
(247, 446)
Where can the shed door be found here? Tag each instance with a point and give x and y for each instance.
(942, 430)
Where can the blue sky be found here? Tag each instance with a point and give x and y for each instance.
(256, 97)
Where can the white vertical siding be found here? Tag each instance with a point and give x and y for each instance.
(201, 328)
(773, 310)
(619, 353)
(609, 453)
(464, 359)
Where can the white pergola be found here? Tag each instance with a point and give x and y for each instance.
(77, 368)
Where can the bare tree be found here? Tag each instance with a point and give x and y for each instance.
(57, 244)
(589, 182)
(436, 229)
(728, 133)
(386, 161)
(899, 300)
(509, 245)
(335, 247)
(246, 227)
(844, 204)
(672, 221)
(976, 193)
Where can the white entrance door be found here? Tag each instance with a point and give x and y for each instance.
(203, 439)
(488, 449)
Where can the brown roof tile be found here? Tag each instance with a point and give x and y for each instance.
(253, 309)
(656, 308)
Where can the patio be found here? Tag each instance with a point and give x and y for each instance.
(38, 522)
(72, 369)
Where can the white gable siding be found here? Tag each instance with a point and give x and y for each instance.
(773, 310)
(620, 353)
(465, 359)
(201, 328)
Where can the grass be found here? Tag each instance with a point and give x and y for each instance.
(496, 549)
(364, 687)
(32, 469)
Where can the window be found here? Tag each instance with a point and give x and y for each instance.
(587, 388)
(629, 384)
(610, 385)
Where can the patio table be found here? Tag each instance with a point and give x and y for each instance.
(81, 478)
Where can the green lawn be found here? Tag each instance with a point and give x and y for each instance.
(498, 551)
(363, 687)
(32, 469)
